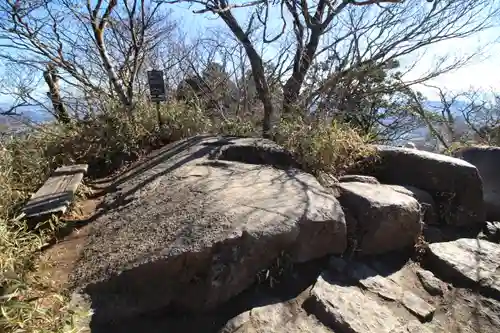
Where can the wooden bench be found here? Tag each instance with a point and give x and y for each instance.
(55, 196)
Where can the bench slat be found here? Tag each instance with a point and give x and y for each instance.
(57, 192)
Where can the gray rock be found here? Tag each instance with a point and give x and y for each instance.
(454, 184)
(470, 260)
(433, 234)
(327, 179)
(385, 219)
(345, 308)
(471, 312)
(278, 317)
(187, 230)
(391, 290)
(417, 306)
(254, 151)
(487, 160)
(409, 144)
(426, 201)
(359, 179)
(431, 284)
(413, 326)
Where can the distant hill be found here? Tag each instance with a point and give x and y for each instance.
(420, 135)
(37, 114)
(13, 124)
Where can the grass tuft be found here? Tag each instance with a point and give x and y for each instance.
(29, 302)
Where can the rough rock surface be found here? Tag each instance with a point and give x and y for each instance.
(487, 160)
(336, 301)
(454, 183)
(427, 203)
(472, 261)
(278, 317)
(389, 289)
(255, 151)
(345, 308)
(359, 179)
(379, 213)
(192, 230)
(432, 284)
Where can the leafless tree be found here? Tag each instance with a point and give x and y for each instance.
(464, 116)
(344, 35)
(99, 48)
(52, 79)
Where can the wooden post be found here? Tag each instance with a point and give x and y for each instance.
(160, 120)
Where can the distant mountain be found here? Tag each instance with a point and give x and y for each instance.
(15, 123)
(420, 135)
(39, 115)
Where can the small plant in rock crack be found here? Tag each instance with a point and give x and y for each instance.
(420, 248)
(274, 274)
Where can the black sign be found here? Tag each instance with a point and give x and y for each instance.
(156, 86)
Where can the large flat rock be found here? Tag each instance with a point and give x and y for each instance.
(486, 159)
(192, 230)
(471, 260)
(384, 220)
(455, 184)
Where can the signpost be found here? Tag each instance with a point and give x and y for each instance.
(157, 90)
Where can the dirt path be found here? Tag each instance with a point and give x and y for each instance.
(58, 259)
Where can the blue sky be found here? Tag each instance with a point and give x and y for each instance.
(479, 74)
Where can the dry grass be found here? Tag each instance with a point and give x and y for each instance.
(330, 148)
(29, 302)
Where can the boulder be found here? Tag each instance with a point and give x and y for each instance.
(389, 289)
(254, 151)
(359, 179)
(472, 261)
(190, 230)
(426, 201)
(431, 284)
(486, 159)
(345, 308)
(385, 220)
(278, 317)
(454, 184)
(409, 144)
(326, 179)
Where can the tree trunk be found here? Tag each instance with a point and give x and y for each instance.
(98, 27)
(302, 63)
(118, 88)
(259, 76)
(52, 80)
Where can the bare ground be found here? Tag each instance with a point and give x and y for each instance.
(459, 310)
